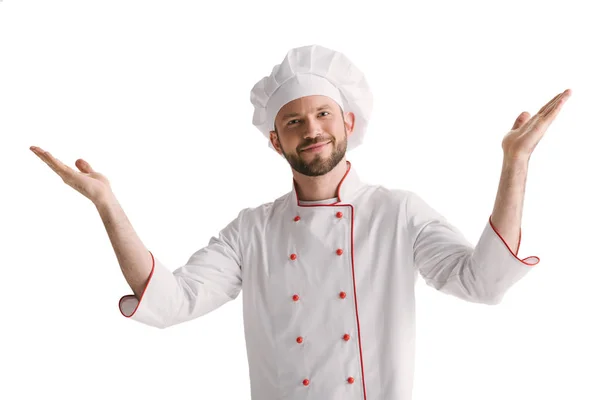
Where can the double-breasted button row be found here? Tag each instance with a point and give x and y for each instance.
(338, 214)
(294, 256)
(306, 382)
(342, 295)
(300, 339)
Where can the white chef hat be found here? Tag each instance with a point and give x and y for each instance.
(307, 71)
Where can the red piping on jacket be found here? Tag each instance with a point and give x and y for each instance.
(524, 261)
(362, 368)
(144, 292)
(337, 204)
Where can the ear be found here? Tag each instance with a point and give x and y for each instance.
(275, 141)
(349, 120)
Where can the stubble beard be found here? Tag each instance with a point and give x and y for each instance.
(319, 165)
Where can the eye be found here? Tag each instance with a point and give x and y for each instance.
(324, 112)
(292, 121)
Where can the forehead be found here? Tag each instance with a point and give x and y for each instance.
(306, 104)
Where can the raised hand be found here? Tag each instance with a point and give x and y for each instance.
(88, 182)
(519, 143)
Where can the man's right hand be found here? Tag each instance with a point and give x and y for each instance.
(88, 182)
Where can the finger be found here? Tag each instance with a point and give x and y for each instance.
(57, 166)
(554, 102)
(84, 166)
(543, 117)
(551, 112)
(559, 102)
(521, 119)
(543, 121)
(548, 104)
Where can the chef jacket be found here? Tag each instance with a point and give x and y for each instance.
(329, 289)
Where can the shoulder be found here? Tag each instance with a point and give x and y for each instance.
(382, 195)
(254, 215)
(401, 203)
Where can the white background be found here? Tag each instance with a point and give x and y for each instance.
(155, 95)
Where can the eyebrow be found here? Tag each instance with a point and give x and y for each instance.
(323, 107)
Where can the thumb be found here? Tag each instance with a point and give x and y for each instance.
(521, 119)
(83, 166)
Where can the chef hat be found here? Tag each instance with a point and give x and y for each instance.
(307, 71)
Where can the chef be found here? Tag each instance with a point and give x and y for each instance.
(328, 270)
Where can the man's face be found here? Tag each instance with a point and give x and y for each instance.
(312, 134)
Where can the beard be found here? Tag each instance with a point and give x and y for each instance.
(319, 165)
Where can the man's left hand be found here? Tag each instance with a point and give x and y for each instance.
(519, 143)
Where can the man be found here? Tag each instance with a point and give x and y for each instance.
(327, 270)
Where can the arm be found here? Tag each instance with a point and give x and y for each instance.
(162, 298)
(483, 274)
(508, 208)
(517, 146)
(452, 265)
(135, 260)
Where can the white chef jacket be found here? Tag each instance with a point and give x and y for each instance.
(329, 290)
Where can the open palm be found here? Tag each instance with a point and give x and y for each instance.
(86, 181)
(526, 132)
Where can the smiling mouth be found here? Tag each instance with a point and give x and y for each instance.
(316, 146)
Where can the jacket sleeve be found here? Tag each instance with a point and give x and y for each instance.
(450, 264)
(210, 278)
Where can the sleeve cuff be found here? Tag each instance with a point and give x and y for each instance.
(156, 302)
(530, 261)
(129, 304)
(497, 267)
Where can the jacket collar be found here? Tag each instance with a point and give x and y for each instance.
(346, 189)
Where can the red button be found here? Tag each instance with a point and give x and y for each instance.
(293, 256)
(339, 252)
(297, 218)
(346, 337)
(351, 380)
(306, 382)
(299, 339)
(342, 295)
(295, 297)
(339, 214)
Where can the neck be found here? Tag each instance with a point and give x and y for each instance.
(315, 188)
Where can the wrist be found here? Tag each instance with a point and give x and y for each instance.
(515, 163)
(105, 202)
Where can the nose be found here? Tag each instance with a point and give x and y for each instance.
(313, 128)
